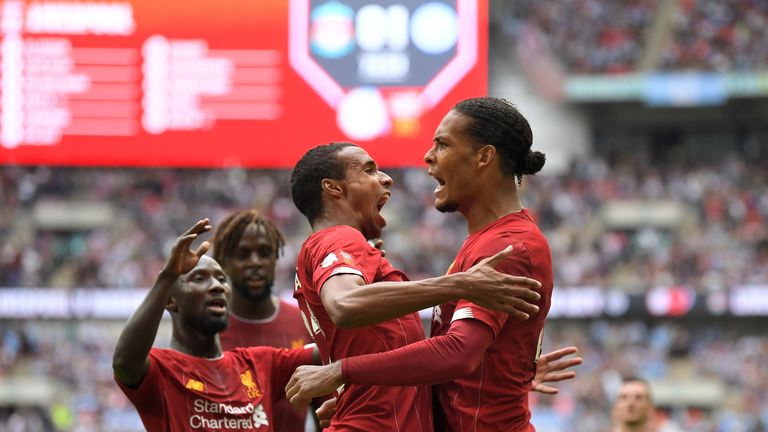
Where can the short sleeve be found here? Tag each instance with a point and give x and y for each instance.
(518, 264)
(345, 251)
(147, 397)
(284, 363)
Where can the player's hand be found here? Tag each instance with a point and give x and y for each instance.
(183, 258)
(499, 291)
(308, 382)
(550, 366)
(326, 412)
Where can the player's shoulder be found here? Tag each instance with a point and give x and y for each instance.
(171, 359)
(336, 236)
(491, 243)
(165, 354)
(257, 354)
(517, 229)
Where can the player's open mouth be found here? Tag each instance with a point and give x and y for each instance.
(440, 182)
(217, 306)
(383, 200)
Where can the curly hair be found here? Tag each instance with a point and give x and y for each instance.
(231, 229)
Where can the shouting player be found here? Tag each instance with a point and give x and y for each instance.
(352, 299)
(482, 362)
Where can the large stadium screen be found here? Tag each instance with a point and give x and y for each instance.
(231, 82)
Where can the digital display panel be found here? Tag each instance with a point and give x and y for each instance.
(232, 82)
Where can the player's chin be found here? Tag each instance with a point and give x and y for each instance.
(214, 324)
(445, 206)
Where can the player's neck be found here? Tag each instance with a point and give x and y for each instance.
(335, 217)
(490, 206)
(250, 310)
(196, 344)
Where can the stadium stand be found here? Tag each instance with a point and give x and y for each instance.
(703, 225)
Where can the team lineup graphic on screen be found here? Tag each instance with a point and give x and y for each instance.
(140, 83)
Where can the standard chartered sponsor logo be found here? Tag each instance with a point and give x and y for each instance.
(204, 406)
(257, 416)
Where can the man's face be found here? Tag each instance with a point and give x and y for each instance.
(202, 297)
(452, 162)
(366, 189)
(252, 266)
(633, 404)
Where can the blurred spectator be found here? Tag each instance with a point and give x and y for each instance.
(721, 242)
(718, 36)
(589, 36)
(610, 37)
(76, 357)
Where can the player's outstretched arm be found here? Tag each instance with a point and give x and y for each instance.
(550, 368)
(438, 359)
(350, 302)
(130, 360)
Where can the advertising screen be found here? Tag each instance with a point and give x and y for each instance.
(231, 82)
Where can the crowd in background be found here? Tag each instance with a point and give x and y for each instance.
(689, 353)
(722, 243)
(589, 36)
(612, 37)
(77, 356)
(719, 36)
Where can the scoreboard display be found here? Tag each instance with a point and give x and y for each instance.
(231, 82)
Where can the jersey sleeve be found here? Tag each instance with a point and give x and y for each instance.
(147, 396)
(344, 251)
(431, 361)
(284, 363)
(518, 264)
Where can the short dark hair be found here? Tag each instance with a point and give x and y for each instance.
(318, 163)
(632, 379)
(498, 123)
(231, 229)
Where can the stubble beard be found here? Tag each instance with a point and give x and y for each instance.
(447, 207)
(246, 293)
(210, 326)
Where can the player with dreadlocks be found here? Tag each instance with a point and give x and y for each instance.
(247, 245)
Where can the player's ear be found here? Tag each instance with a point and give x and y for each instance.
(332, 187)
(485, 155)
(171, 305)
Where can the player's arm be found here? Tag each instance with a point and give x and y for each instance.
(439, 359)
(131, 358)
(350, 302)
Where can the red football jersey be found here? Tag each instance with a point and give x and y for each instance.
(344, 250)
(495, 396)
(284, 329)
(234, 392)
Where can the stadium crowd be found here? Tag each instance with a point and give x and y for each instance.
(590, 36)
(723, 246)
(78, 358)
(718, 36)
(611, 37)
